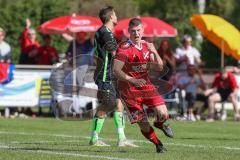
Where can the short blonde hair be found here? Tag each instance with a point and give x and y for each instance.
(2, 30)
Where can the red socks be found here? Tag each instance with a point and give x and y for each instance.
(151, 136)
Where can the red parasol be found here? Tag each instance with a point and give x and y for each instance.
(69, 24)
(152, 27)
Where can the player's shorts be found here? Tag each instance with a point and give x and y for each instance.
(106, 93)
(134, 101)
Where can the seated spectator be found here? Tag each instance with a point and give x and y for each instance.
(47, 54)
(168, 58)
(29, 45)
(5, 49)
(190, 84)
(224, 88)
(187, 54)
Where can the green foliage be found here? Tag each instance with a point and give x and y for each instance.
(123, 8)
(175, 12)
(235, 15)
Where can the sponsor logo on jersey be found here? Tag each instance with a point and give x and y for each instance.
(139, 68)
(146, 55)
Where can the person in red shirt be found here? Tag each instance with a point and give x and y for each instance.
(29, 45)
(133, 60)
(224, 87)
(47, 54)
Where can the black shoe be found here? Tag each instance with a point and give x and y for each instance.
(165, 128)
(160, 148)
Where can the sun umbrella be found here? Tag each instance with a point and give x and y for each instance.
(70, 24)
(152, 27)
(220, 32)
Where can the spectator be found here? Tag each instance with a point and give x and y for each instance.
(29, 45)
(168, 58)
(190, 84)
(5, 49)
(84, 53)
(47, 54)
(224, 87)
(187, 54)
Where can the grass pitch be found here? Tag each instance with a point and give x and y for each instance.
(51, 139)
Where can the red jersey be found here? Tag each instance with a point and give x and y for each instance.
(4, 69)
(135, 60)
(135, 65)
(26, 44)
(47, 55)
(229, 83)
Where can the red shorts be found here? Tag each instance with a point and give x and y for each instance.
(135, 99)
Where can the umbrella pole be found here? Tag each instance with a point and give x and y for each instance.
(222, 54)
(74, 66)
(75, 104)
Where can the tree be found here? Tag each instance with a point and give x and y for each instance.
(123, 8)
(174, 12)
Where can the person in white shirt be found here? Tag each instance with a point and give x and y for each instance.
(5, 49)
(191, 83)
(187, 54)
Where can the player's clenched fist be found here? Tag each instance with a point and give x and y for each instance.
(138, 82)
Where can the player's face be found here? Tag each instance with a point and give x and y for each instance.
(165, 45)
(1, 36)
(81, 37)
(187, 43)
(191, 71)
(114, 18)
(47, 41)
(32, 36)
(136, 32)
(224, 75)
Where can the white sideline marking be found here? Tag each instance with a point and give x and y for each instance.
(40, 142)
(61, 153)
(138, 141)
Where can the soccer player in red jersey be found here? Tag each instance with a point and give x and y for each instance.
(133, 60)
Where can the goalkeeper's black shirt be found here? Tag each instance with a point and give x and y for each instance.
(104, 46)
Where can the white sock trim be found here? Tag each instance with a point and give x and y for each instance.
(95, 134)
(120, 131)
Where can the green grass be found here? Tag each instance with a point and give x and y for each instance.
(51, 139)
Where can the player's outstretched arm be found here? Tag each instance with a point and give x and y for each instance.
(117, 70)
